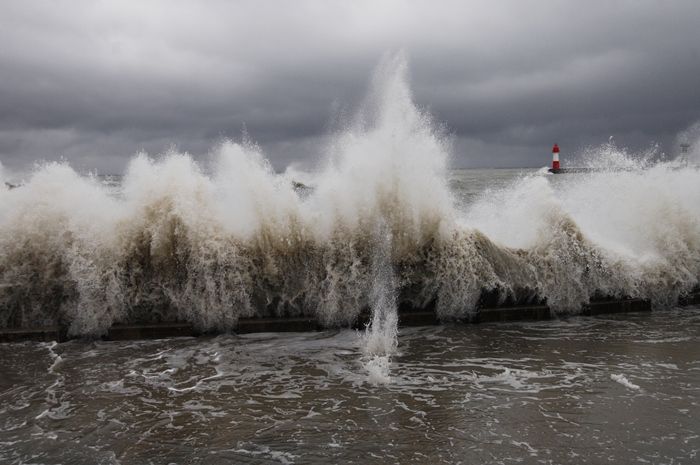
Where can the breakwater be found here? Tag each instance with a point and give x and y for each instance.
(407, 317)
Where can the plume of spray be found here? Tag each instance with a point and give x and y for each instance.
(632, 231)
(611, 157)
(8, 179)
(390, 163)
(380, 339)
(386, 182)
(689, 142)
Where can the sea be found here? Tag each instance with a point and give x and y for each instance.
(382, 220)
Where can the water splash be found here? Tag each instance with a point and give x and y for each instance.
(380, 340)
(689, 142)
(208, 244)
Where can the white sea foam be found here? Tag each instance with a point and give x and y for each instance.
(378, 369)
(624, 381)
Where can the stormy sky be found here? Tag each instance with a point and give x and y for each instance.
(94, 82)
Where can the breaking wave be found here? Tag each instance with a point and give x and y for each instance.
(207, 244)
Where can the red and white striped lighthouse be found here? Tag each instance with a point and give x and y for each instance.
(555, 157)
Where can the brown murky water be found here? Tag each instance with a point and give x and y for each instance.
(622, 389)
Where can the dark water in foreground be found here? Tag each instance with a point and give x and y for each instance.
(623, 389)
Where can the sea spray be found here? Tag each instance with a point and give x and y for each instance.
(688, 142)
(389, 163)
(380, 340)
(210, 243)
(632, 232)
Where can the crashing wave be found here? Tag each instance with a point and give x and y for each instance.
(208, 245)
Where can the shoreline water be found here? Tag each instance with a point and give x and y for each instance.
(576, 390)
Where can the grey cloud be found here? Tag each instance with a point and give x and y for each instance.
(97, 82)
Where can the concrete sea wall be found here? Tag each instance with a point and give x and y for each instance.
(488, 313)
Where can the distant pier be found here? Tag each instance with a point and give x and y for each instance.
(574, 170)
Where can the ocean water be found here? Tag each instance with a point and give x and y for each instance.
(580, 390)
(382, 220)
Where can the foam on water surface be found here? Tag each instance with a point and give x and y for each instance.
(481, 394)
(622, 379)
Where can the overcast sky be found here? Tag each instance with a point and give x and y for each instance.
(96, 81)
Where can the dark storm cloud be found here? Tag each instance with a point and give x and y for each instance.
(95, 82)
